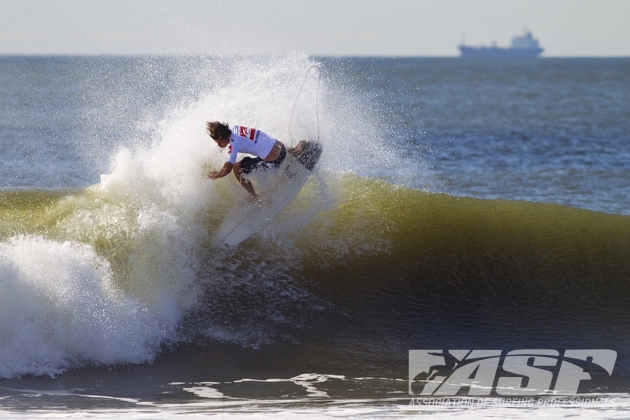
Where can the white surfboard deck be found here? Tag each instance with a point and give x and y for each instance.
(248, 218)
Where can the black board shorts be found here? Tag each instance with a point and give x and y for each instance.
(249, 165)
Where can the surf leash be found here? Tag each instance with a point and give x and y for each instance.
(319, 79)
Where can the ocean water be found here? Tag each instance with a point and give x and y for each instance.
(459, 204)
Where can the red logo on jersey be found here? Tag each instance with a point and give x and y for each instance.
(247, 132)
(230, 149)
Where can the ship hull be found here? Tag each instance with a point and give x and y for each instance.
(497, 52)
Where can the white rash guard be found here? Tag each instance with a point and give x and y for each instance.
(249, 140)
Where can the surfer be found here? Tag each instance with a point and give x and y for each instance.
(269, 152)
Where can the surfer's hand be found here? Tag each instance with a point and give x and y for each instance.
(227, 168)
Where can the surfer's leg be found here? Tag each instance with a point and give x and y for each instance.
(246, 183)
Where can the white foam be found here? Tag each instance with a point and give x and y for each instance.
(58, 307)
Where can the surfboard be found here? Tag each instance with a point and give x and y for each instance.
(246, 219)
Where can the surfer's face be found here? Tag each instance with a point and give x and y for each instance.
(223, 142)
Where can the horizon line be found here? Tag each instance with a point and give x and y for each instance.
(393, 56)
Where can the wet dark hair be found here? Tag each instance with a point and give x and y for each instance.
(218, 130)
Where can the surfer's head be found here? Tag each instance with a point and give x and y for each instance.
(220, 132)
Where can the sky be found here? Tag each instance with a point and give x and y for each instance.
(565, 28)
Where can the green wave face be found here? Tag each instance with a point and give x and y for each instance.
(378, 228)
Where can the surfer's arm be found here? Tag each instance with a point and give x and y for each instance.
(227, 168)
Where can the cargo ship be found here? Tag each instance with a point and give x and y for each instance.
(525, 46)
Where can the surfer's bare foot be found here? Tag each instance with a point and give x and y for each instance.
(297, 150)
